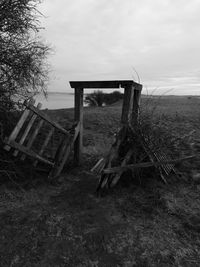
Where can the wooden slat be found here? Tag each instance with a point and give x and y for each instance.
(18, 127)
(78, 116)
(46, 118)
(27, 130)
(102, 84)
(28, 152)
(65, 153)
(46, 141)
(33, 136)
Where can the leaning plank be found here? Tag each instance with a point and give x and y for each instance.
(18, 127)
(46, 118)
(27, 151)
(145, 165)
(98, 166)
(27, 130)
(44, 145)
(33, 136)
(68, 147)
(124, 162)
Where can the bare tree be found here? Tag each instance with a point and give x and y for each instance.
(22, 53)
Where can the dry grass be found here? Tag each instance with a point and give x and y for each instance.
(137, 224)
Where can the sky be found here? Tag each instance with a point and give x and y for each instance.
(157, 40)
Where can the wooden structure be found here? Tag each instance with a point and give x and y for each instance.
(132, 93)
(27, 130)
(131, 148)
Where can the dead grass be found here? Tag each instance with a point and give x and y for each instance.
(137, 224)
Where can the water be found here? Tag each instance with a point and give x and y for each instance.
(56, 100)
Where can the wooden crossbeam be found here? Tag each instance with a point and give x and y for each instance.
(46, 118)
(145, 165)
(27, 151)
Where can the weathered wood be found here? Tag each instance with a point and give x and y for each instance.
(64, 154)
(145, 165)
(27, 130)
(46, 118)
(124, 162)
(33, 136)
(103, 84)
(98, 166)
(78, 116)
(46, 141)
(136, 104)
(18, 127)
(127, 104)
(27, 151)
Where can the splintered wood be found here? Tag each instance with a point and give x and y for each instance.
(32, 124)
(131, 149)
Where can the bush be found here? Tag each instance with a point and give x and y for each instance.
(99, 98)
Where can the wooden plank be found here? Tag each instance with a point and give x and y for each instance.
(33, 136)
(145, 165)
(27, 130)
(18, 127)
(65, 154)
(78, 116)
(136, 104)
(46, 141)
(128, 94)
(124, 162)
(28, 152)
(46, 118)
(102, 84)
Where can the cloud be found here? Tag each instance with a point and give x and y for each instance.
(104, 39)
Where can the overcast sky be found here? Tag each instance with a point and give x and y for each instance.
(108, 39)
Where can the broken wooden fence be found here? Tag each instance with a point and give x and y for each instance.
(27, 131)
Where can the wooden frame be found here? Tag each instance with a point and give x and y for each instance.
(132, 93)
(25, 133)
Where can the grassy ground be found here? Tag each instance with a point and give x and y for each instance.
(142, 224)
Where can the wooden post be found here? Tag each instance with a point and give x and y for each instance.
(127, 103)
(136, 104)
(78, 116)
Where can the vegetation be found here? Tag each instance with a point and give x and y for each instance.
(22, 53)
(23, 71)
(142, 223)
(99, 98)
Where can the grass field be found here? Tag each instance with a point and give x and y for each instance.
(140, 224)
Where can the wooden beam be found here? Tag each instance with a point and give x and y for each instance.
(145, 165)
(102, 84)
(127, 103)
(78, 116)
(27, 151)
(46, 118)
(136, 104)
(62, 158)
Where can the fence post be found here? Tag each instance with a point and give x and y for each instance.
(127, 103)
(136, 103)
(78, 116)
